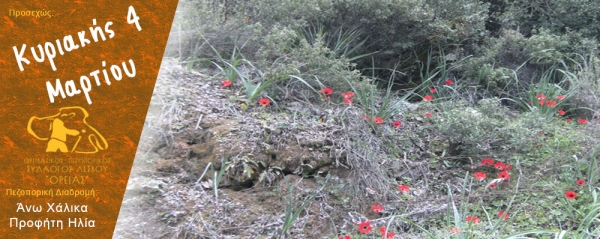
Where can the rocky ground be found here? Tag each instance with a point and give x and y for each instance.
(321, 162)
(275, 157)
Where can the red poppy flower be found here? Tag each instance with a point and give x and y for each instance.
(397, 124)
(492, 185)
(432, 90)
(377, 208)
(449, 82)
(541, 97)
(499, 165)
(504, 175)
(487, 162)
(326, 91)
(551, 103)
(541, 102)
(501, 214)
(403, 188)
(347, 94)
(428, 98)
(580, 182)
(225, 83)
(454, 231)
(427, 114)
(571, 195)
(348, 97)
(264, 102)
(561, 112)
(367, 118)
(389, 235)
(345, 237)
(365, 227)
(582, 121)
(569, 120)
(560, 97)
(473, 219)
(508, 167)
(378, 120)
(479, 176)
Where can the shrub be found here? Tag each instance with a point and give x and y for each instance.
(493, 66)
(488, 129)
(208, 25)
(393, 29)
(560, 16)
(468, 130)
(588, 75)
(508, 65)
(312, 62)
(546, 48)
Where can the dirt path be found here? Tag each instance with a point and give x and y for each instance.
(139, 217)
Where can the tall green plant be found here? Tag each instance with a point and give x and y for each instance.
(366, 94)
(343, 43)
(229, 69)
(547, 98)
(292, 208)
(436, 77)
(252, 84)
(253, 90)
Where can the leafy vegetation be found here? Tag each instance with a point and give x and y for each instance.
(443, 86)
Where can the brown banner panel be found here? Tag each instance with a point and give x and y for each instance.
(76, 81)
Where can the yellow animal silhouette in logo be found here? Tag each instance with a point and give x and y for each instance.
(63, 127)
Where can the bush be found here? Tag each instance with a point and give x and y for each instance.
(546, 48)
(395, 30)
(312, 62)
(469, 131)
(506, 66)
(587, 76)
(489, 129)
(559, 16)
